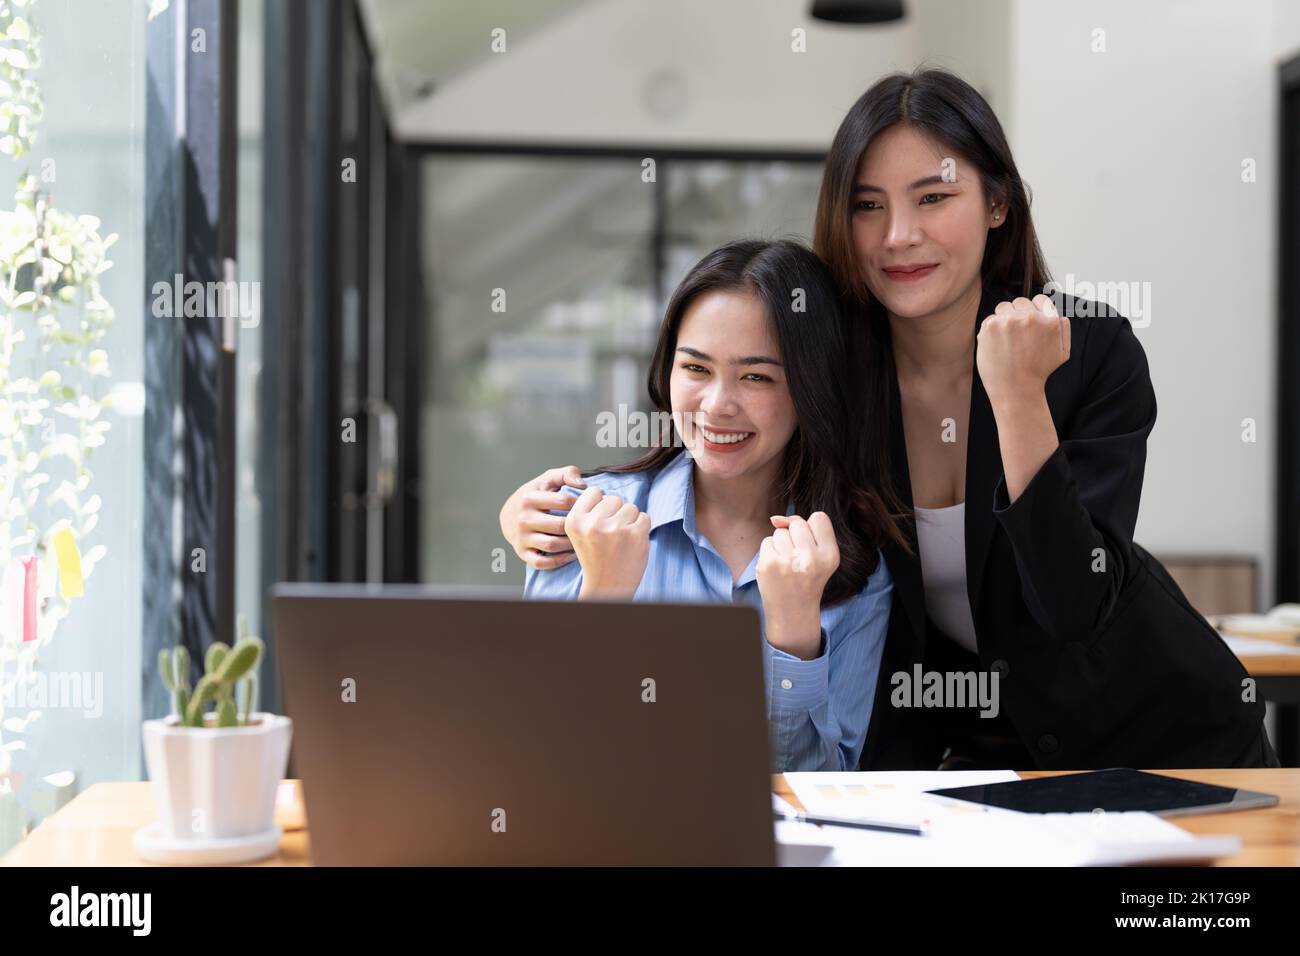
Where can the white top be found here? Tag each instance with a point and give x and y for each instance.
(941, 537)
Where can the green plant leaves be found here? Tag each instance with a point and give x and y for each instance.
(216, 654)
(241, 660)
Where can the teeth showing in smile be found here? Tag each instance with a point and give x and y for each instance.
(724, 439)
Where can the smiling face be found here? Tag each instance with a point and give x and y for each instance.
(906, 215)
(727, 388)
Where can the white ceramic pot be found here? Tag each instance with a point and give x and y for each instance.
(213, 783)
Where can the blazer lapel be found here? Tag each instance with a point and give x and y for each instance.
(983, 470)
(905, 569)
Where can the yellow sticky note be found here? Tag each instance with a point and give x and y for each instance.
(69, 558)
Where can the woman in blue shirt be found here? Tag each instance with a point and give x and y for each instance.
(749, 364)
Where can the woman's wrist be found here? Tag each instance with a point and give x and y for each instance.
(604, 590)
(1019, 401)
(1027, 437)
(796, 631)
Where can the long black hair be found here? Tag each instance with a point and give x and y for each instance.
(952, 113)
(814, 354)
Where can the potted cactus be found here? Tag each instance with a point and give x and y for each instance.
(224, 671)
(215, 762)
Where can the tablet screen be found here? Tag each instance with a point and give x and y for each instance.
(1109, 790)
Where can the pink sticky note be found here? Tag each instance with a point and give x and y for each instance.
(29, 598)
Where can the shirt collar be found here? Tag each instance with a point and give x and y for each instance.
(672, 494)
(672, 499)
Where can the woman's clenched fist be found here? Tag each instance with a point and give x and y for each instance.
(794, 565)
(611, 538)
(1019, 346)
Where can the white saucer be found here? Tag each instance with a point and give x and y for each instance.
(152, 844)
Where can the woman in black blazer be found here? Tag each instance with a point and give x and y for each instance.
(1015, 448)
(1101, 660)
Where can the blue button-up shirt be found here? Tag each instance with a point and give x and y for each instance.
(818, 710)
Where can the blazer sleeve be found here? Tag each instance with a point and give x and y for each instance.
(1072, 527)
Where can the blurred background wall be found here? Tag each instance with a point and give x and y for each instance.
(1130, 122)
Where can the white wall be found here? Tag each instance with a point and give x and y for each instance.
(972, 39)
(1135, 159)
(592, 77)
(1286, 29)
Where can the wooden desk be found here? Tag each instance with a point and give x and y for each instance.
(1269, 837)
(1271, 665)
(1277, 679)
(95, 828)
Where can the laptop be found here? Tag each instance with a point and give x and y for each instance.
(434, 727)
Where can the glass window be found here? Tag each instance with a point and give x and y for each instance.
(538, 273)
(71, 400)
(248, 352)
(543, 278)
(711, 202)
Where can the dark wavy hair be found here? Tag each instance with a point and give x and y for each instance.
(952, 113)
(814, 355)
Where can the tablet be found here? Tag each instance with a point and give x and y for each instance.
(1113, 791)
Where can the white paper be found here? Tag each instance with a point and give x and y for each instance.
(967, 834)
(882, 794)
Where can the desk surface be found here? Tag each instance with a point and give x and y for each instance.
(1269, 837)
(95, 828)
(1270, 665)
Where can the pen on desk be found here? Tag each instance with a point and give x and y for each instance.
(798, 816)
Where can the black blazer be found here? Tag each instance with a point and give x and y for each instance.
(1096, 669)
